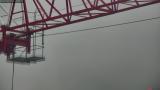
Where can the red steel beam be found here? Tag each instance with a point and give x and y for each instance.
(89, 12)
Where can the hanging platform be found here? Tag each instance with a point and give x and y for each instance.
(23, 60)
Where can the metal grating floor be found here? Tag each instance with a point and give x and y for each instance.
(26, 60)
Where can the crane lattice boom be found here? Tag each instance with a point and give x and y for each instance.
(52, 15)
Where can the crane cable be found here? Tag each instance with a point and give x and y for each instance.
(13, 69)
(100, 27)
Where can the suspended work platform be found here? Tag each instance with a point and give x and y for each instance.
(23, 60)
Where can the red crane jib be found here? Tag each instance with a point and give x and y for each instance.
(52, 17)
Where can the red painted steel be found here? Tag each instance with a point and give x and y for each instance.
(52, 17)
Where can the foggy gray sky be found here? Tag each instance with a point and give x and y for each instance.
(117, 58)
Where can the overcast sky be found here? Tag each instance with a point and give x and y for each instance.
(116, 58)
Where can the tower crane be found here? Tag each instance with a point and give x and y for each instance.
(53, 14)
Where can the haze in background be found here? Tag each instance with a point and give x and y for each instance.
(118, 58)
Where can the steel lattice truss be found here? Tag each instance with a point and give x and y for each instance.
(52, 15)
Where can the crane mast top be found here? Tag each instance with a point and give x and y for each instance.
(55, 13)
